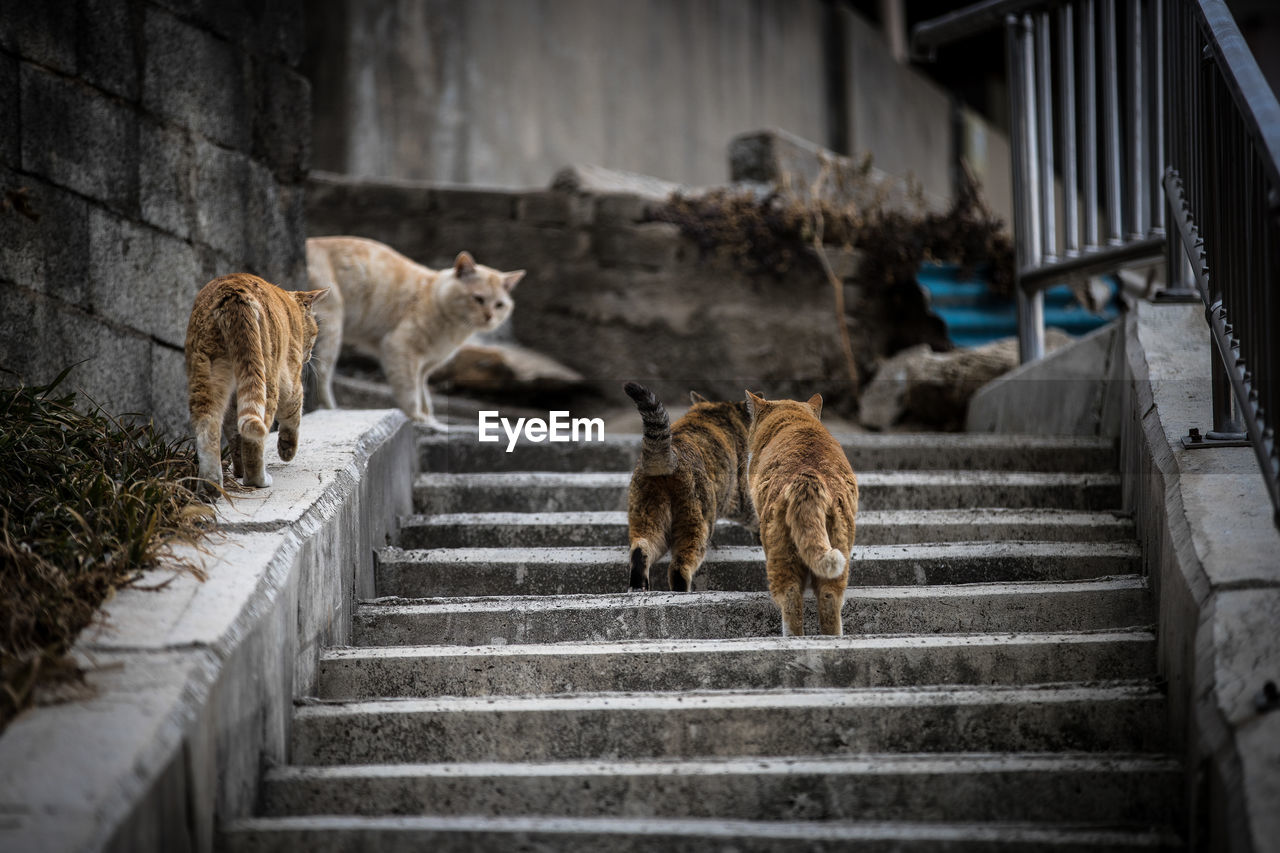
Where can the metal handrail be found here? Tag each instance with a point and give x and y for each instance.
(1189, 126)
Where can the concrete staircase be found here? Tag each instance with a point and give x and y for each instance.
(995, 688)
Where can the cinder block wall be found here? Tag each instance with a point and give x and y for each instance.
(145, 148)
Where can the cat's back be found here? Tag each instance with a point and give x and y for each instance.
(377, 285)
(228, 303)
(358, 262)
(801, 445)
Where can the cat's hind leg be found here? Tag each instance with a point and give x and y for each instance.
(648, 519)
(690, 536)
(787, 577)
(830, 594)
(209, 387)
(290, 417)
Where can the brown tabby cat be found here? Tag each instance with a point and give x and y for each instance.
(688, 476)
(247, 337)
(806, 497)
(413, 318)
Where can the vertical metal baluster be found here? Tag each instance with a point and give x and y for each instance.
(1044, 139)
(1026, 199)
(1067, 72)
(1089, 122)
(1139, 128)
(1159, 158)
(1111, 123)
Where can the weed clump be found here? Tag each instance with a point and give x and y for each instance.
(86, 502)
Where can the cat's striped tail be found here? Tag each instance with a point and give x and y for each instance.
(656, 455)
(240, 321)
(808, 504)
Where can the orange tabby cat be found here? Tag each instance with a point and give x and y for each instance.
(806, 497)
(247, 337)
(413, 318)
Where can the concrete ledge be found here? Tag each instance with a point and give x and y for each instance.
(191, 684)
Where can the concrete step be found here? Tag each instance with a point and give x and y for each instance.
(1070, 788)
(459, 450)
(1123, 717)
(565, 571)
(341, 834)
(543, 491)
(971, 608)
(741, 664)
(875, 527)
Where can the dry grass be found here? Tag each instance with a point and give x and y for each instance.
(87, 502)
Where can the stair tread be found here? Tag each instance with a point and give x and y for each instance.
(1014, 834)
(710, 598)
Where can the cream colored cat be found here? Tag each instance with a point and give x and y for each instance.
(411, 317)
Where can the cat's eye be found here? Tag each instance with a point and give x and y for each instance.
(500, 305)
(478, 298)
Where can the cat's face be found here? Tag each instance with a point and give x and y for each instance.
(482, 294)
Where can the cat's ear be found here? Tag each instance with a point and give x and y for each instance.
(464, 265)
(815, 403)
(754, 405)
(511, 279)
(307, 298)
(695, 397)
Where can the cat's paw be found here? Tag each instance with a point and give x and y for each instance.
(431, 423)
(259, 482)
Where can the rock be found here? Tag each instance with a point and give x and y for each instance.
(599, 180)
(932, 389)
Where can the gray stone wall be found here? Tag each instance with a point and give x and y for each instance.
(145, 148)
(503, 93)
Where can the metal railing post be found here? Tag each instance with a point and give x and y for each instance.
(1026, 180)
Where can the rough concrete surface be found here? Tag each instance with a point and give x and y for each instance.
(191, 684)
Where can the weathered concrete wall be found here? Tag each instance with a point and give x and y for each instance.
(506, 92)
(145, 148)
(190, 683)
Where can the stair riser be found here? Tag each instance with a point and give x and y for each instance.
(418, 575)
(1011, 613)
(418, 533)
(327, 839)
(462, 497)
(1129, 725)
(460, 451)
(753, 668)
(1065, 796)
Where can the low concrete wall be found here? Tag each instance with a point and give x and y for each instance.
(189, 684)
(1210, 551)
(1074, 390)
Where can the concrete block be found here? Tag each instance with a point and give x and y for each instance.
(108, 55)
(554, 208)
(327, 191)
(273, 230)
(281, 120)
(166, 178)
(475, 204)
(168, 407)
(652, 246)
(115, 371)
(222, 199)
(1062, 394)
(141, 278)
(622, 208)
(509, 246)
(44, 33)
(180, 61)
(49, 254)
(79, 139)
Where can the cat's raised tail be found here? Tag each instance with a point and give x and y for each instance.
(239, 321)
(656, 455)
(808, 505)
